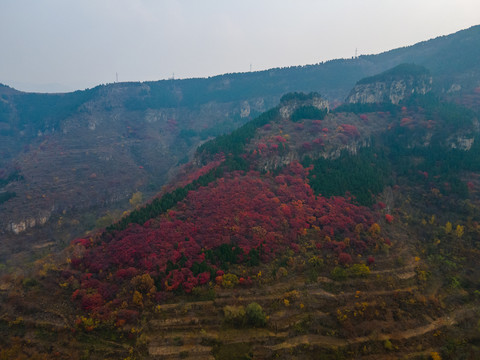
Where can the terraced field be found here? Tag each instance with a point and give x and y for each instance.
(389, 314)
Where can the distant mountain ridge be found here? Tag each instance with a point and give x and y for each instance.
(324, 221)
(457, 51)
(311, 230)
(82, 153)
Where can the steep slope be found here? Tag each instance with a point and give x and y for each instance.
(392, 86)
(265, 246)
(75, 159)
(69, 170)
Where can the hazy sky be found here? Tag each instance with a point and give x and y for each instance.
(48, 45)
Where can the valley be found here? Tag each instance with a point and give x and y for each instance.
(282, 225)
(81, 156)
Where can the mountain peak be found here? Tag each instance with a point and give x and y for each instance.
(392, 86)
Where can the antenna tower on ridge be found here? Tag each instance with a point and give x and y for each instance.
(116, 77)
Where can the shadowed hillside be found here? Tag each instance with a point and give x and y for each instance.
(70, 162)
(306, 233)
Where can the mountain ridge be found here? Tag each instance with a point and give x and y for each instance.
(428, 45)
(151, 128)
(287, 256)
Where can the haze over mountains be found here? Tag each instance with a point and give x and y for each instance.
(74, 156)
(342, 222)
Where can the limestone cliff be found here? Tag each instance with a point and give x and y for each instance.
(290, 102)
(392, 86)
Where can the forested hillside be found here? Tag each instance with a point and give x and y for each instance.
(70, 162)
(308, 231)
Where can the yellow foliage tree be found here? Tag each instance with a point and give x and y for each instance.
(137, 298)
(234, 314)
(359, 228)
(136, 199)
(459, 230)
(448, 227)
(281, 272)
(229, 280)
(144, 284)
(374, 229)
(104, 221)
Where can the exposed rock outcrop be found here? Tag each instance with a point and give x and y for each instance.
(30, 222)
(290, 102)
(392, 86)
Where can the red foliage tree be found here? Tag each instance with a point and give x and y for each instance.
(349, 130)
(406, 122)
(250, 212)
(370, 260)
(344, 259)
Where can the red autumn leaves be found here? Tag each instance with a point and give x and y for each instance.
(247, 211)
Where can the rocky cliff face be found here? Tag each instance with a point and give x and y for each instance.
(393, 92)
(89, 161)
(30, 222)
(288, 107)
(392, 86)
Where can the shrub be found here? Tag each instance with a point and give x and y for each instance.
(29, 282)
(338, 273)
(358, 270)
(370, 260)
(229, 281)
(315, 262)
(281, 272)
(234, 315)
(177, 341)
(255, 315)
(203, 294)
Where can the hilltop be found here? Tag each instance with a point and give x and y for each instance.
(308, 231)
(74, 161)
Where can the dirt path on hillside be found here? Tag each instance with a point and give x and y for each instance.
(327, 341)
